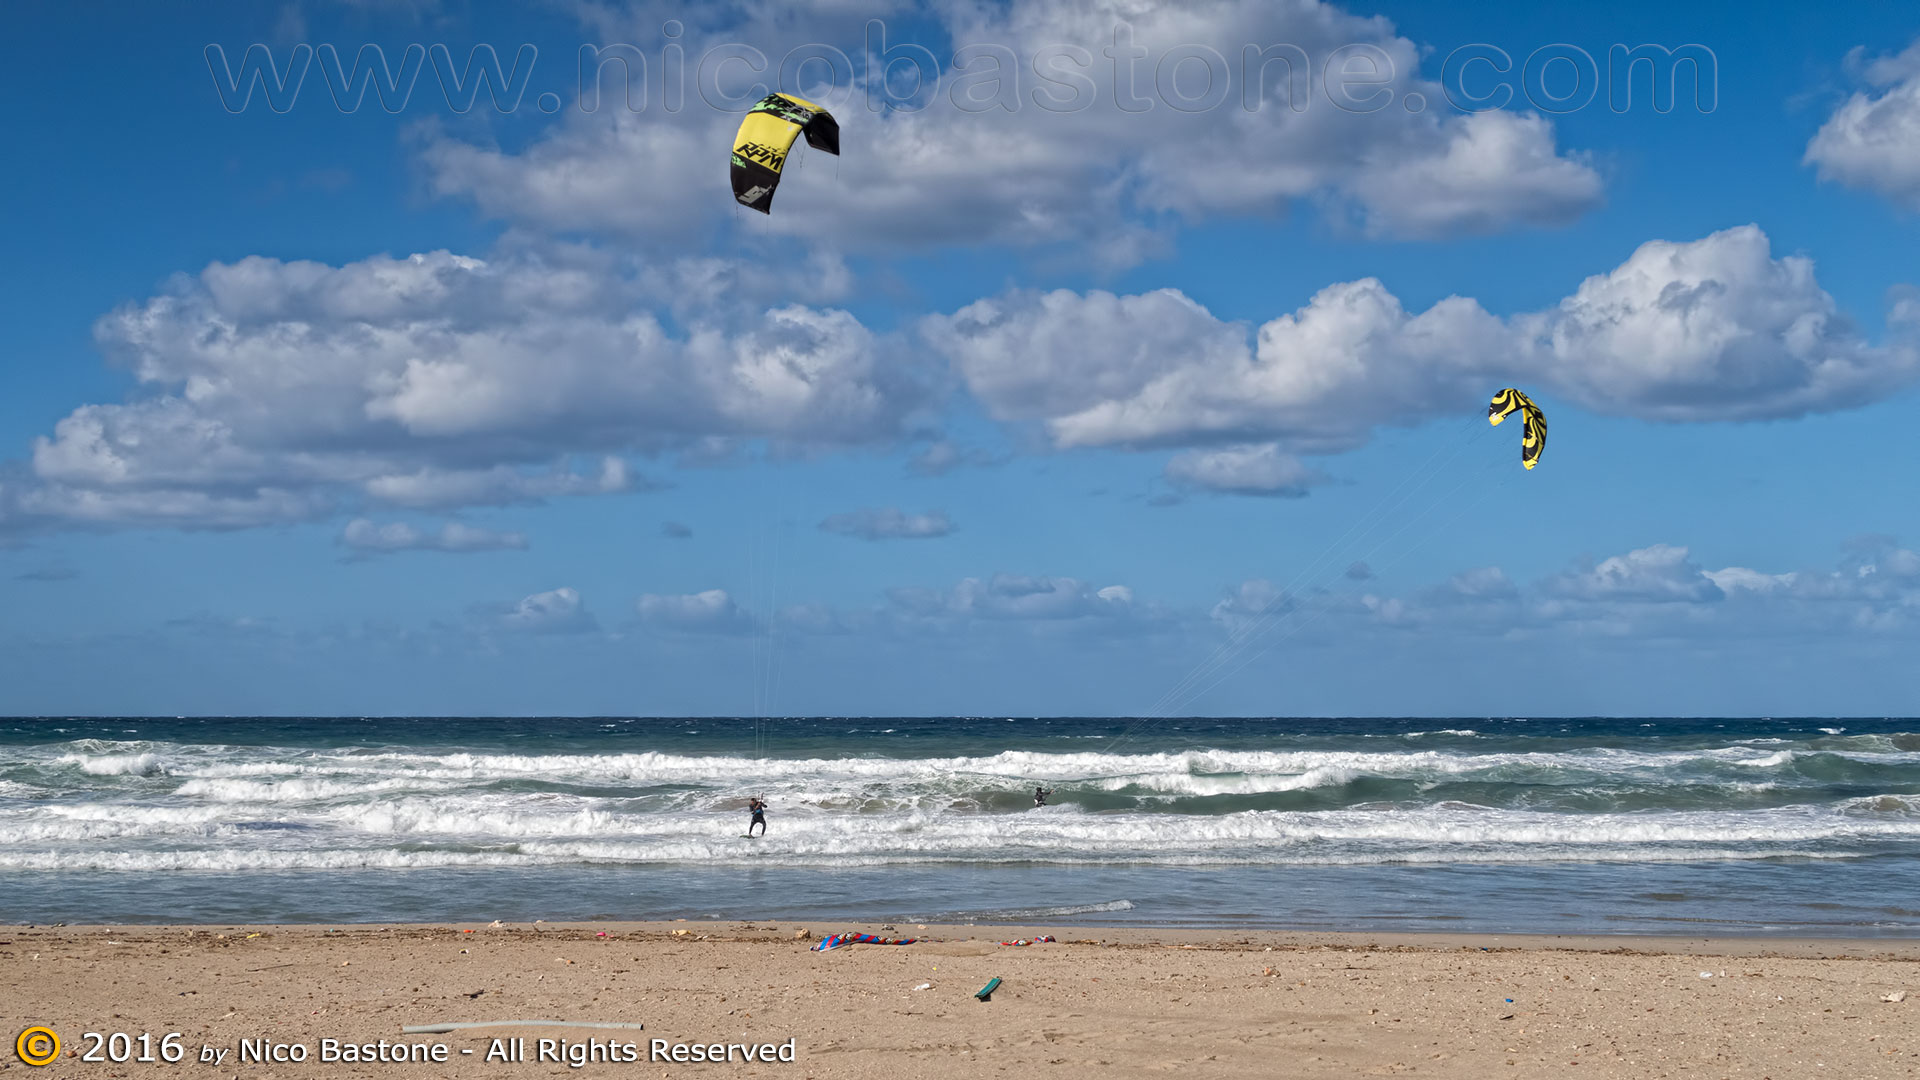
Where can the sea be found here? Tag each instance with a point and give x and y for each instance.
(1477, 825)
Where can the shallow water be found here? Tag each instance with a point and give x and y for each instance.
(1682, 826)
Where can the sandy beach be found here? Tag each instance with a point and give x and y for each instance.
(1098, 1002)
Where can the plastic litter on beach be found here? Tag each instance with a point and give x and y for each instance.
(986, 991)
(834, 941)
(1029, 941)
(924, 986)
(1896, 997)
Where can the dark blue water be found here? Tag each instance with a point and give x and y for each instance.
(1595, 825)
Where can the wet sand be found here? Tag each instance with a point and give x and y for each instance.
(1097, 1003)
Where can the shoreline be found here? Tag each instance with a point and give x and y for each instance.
(1169, 936)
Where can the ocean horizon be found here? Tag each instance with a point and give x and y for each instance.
(1747, 826)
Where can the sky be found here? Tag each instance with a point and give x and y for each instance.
(1130, 359)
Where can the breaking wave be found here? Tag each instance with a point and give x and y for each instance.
(1436, 795)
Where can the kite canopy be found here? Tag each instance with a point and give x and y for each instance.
(766, 134)
(1533, 423)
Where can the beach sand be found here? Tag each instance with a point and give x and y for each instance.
(1098, 1003)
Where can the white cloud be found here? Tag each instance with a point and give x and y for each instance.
(1736, 579)
(498, 486)
(1713, 329)
(1251, 603)
(1658, 574)
(1481, 584)
(1115, 159)
(1872, 141)
(369, 538)
(1494, 169)
(1260, 469)
(889, 523)
(1014, 597)
(558, 611)
(280, 391)
(1662, 590)
(709, 612)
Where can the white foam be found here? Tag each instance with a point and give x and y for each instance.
(301, 789)
(1062, 912)
(115, 764)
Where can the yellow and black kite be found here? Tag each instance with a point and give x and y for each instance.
(1533, 424)
(767, 133)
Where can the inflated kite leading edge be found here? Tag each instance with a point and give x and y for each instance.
(766, 134)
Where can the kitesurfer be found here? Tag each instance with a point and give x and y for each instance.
(759, 810)
(1040, 795)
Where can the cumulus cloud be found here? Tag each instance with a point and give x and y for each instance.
(1260, 469)
(1014, 597)
(1713, 329)
(1872, 141)
(709, 612)
(435, 488)
(1250, 604)
(1663, 589)
(1122, 136)
(889, 523)
(1658, 574)
(367, 538)
(557, 611)
(280, 391)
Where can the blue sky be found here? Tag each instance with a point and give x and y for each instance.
(1029, 410)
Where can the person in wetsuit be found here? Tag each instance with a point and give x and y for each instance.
(1040, 795)
(759, 810)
